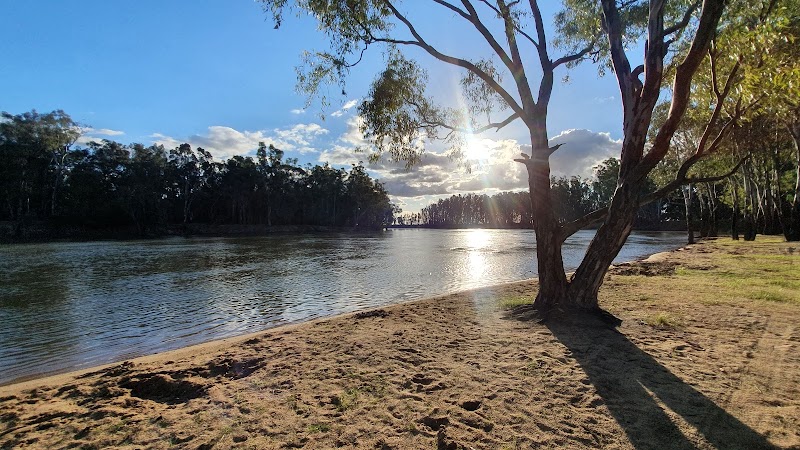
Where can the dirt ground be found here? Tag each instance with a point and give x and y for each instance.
(706, 357)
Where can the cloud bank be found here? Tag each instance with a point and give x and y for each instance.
(225, 142)
(438, 175)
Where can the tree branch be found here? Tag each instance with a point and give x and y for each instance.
(575, 56)
(681, 88)
(420, 42)
(619, 61)
(684, 21)
(491, 125)
(654, 54)
(595, 216)
(519, 30)
(472, 17)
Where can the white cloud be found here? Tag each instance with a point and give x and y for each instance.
(436, 173)
(105, 132)
(89, 134)
(301, 134)
(582, 150)
(346, 107)
(353, 135)
(298, 111)
(438, 176)
(225, 142)
(601, 100)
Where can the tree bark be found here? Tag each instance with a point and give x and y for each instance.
(712, 209)
(611, 236)
(735, 217)
(688, 200)
(793, 227)
(550, 263)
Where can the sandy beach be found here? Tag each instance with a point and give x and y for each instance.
(707, 356)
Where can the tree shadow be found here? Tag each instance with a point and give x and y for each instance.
(629, 380)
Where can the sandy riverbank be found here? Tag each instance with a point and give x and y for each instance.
(707, 357)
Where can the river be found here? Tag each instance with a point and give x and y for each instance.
(71, 305)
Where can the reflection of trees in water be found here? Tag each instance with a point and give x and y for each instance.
(39, 329)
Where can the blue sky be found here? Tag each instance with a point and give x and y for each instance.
(216, 73)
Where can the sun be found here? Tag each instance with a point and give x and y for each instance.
(475, 150)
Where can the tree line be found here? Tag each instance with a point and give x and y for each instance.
(573, 197)
(46, 178)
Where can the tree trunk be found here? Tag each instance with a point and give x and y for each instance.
(749, 227)
(735, 217)
(701, 202)
(687, 201)
(793, 227)
(611, 236)
(552, 279)
(712, 210)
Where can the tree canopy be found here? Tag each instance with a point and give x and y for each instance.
(108, 185)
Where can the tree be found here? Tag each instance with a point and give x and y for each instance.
(145, 187)
(398, 114)
(189, 170)
(605, 184)
(773, 66)
(34, 149)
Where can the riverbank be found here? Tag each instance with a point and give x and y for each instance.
(707, 357)
(42, 231)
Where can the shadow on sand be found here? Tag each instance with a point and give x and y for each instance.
(632, 383)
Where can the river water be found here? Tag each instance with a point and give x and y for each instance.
(65, 306)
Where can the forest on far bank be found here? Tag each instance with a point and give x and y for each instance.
(60, 189)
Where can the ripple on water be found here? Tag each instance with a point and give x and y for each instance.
(65, 306)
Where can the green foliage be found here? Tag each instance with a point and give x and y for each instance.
(34, 148)
(318, 428)
(397, 111)
(110, 185)
(605, 182)
(348, 399)
(504, 210)
(513, 302)
(662, 320)
(579, 25)
(572, 198)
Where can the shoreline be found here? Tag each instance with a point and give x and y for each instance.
(218, 343)
(33, 379)
(707, 356)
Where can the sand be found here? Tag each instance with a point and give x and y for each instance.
(695, 364)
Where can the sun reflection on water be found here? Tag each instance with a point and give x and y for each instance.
(476, 243)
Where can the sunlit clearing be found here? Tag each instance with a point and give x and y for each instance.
(475, 150)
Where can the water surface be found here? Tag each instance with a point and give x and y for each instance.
(65, 306)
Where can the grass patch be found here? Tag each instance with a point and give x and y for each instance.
(771, 296)
(318, 428)
(663, 320)
(348, 400)
(786, 284)
(513, 302)
(750, 276)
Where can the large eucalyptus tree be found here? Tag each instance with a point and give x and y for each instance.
(398, 114)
